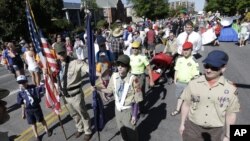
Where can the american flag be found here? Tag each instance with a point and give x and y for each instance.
(48, 61)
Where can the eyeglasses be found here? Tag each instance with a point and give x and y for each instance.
(208, 66)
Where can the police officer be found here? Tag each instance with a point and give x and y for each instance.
(210, 102)
(127, 93)
(70, 83)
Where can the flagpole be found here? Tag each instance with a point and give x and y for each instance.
(97, 103)
(60, 121)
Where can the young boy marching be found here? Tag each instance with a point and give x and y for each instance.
(29, 98)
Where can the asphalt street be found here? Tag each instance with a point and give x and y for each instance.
(156, 125)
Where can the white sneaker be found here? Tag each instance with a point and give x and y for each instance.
(158, 70)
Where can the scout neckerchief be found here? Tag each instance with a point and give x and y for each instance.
(119, 102)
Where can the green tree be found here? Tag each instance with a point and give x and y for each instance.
(176, 12)
(242, 5)
(13, 22)
(12, 19)
(45, 11)
(152, 9)
(227, 7)
(212, 5)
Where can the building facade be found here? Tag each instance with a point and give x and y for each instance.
(189, 5)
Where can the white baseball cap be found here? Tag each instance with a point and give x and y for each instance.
(21, 79)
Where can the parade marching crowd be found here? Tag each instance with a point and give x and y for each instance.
(206, 100)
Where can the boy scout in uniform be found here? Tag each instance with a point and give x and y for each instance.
(210, 102)
(70, 83)
(127, 93)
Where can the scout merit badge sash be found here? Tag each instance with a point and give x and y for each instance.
(119, 103)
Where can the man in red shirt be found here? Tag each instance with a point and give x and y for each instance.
(150, 41)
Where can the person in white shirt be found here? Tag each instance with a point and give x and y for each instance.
(190, 36)
(78, 47)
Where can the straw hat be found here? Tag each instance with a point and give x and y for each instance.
(117, 32)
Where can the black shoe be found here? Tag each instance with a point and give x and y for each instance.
(78, 134)
(49, 133)
(86, 137)
(38, 138)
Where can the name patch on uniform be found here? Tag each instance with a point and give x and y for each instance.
(226, 92)
(239, 132)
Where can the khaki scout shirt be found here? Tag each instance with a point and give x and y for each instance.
(76, 70)
(208, 105)
(132, 96)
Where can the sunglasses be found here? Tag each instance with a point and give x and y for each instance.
(208, 66)
(134, 48)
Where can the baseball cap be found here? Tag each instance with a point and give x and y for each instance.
(21, 79)
(136, 44)
(60, 47)
(187, 45)
(124, 59)
(102, 54)
(216, 58)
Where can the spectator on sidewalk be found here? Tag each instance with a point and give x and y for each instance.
(69, 46)
(14, 60)
(79, 48)
(244, 33)
(29, 57)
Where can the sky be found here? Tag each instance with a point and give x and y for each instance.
(199, 4)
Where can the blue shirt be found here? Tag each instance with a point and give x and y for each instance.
(108, 57)
(31, 96)
(5, 55)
